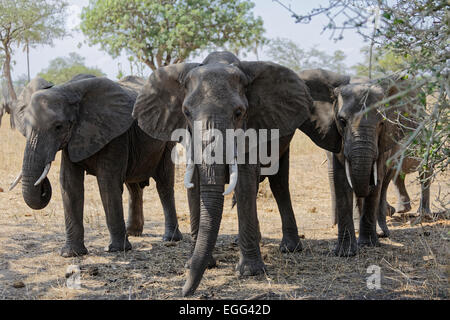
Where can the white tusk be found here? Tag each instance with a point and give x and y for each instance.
(16, 181)
(188, 176)
(233, 178)
(347, 173)
(43, 175)
(375, 173)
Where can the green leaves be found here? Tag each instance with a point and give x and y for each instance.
(168, 31)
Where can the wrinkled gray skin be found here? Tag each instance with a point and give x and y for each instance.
(89, 120)
(224, 93)
(366, 139)
(321, 84)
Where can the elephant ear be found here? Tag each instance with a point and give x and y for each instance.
(400, 119)
(277, 97)
(104, 113)
(158, 106)
(321, 127)
(17, 108)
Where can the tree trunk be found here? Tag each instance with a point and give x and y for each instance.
(7, 74)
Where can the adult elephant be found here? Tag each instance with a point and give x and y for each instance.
(89, 119)
(369, 138)
(225, 93)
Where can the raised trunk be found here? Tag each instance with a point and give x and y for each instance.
(36, 197)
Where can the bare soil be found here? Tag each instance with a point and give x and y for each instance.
(414, 262)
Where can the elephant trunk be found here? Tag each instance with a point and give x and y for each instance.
(360, 169)
(211, 206)
(35, 195)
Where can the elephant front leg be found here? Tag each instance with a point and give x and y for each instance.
(368, 223)
(279, 184)
(343, 207)
(135, 222)
(72, 191)
(165, 185)
(111, 189)
(250, 262)
(384, 208)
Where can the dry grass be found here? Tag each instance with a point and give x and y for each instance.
(414, 262)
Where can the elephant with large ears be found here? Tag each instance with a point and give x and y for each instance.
(223, 93)
(89, 120)
(369, 138)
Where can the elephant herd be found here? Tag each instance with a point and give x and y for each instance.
(121, 132)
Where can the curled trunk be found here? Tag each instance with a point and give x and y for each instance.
(36, 197)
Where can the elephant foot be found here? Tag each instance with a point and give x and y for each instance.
(248, 267)
(403, 207)
(212, 263)
(368, 240)
(346, 247)
(291, 244)
(135, 230)
(172, 234)
(116, 246)
(69, 251)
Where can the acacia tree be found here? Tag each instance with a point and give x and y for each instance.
(28, 22)
(418, 31)
(163, 32)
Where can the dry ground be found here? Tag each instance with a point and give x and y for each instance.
(414, 262)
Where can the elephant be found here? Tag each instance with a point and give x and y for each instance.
(225, 93)
(360, 169)
(89, 119)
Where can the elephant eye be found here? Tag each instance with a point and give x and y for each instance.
(186, 112)
(342, 122)
(238, 113)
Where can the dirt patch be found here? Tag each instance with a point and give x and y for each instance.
(414, 262)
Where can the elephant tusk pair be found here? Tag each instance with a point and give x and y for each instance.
(15, 182)
(43, 175)
(347, 173)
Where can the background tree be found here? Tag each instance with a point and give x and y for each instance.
(288, 53)
(62, 69)
(28, 22)
(163, 32)
(384, 62)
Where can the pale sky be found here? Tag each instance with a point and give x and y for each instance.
(277, 23)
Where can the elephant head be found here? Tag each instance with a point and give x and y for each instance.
(82, 115)
(16, 108)
(221, 93)
(366, 132)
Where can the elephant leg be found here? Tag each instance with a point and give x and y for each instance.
(111, 164)
(135, 222)
(193, 196)
(403, 200)
(279, 184)
(425, 178)
(384, 207)
(250, 262)
(72, 191)
(165, 180)
(346, 244)
(368, 223)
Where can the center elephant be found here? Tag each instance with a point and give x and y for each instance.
(89, 120)
(224, 93)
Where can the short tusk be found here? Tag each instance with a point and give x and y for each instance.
(16, 181)
(233, 178)
(188, 176)
(43, 175)
(347, 173)
(375, 173)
